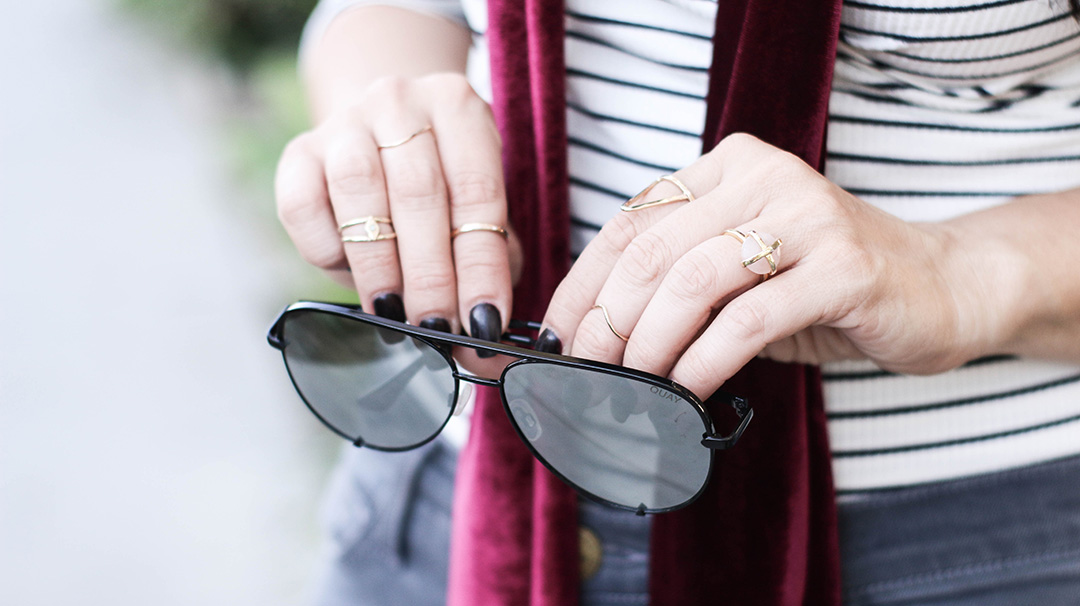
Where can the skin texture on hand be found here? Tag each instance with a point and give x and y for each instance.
(853, 281)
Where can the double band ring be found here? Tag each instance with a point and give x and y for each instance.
(405, 140)
(468, 227)
(638, 202)
(372, 229)
(610, 326)
(758, 257)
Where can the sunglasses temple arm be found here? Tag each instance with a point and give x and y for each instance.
(742, 408)
(521, 325)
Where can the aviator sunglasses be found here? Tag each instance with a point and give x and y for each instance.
(622, 437)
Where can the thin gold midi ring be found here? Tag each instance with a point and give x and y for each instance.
(405, 140)
(758, 257)
(468, 227)
(607, 319)
(637, 203)
(372, 229)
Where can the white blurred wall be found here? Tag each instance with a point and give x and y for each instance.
(152, 451)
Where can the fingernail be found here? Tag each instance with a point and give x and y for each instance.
(485, 323)
(439, 324)
(549, 342)
(389, 306)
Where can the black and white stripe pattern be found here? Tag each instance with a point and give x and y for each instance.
(626, 61)
(939, 108)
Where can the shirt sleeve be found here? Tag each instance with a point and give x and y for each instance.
(328, 10)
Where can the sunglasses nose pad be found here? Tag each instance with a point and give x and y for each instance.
(526, 420)
(624, 402)
(463, 398)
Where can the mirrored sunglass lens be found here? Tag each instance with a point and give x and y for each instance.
(623, 440)
(366, 381)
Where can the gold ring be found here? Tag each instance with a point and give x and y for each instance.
(770, 253)
(636, 203)
(372, 229)
(406, 139)
(607, 319)
(464, 229)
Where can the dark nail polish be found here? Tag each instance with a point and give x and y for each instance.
(549, 342)
(438, 324)
(389, 306)
(485, 323)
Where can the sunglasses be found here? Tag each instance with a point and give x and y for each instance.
(622, 437)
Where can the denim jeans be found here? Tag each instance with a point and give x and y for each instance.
(1011, 538)
(388, 520)
(1006, 538)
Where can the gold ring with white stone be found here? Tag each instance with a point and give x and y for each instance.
(372, 229)
(758, 256)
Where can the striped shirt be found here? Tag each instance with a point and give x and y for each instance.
(938, 108)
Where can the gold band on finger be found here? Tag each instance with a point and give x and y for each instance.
(372, 229)
(405, 140)
(607, 319)
(638, 202)
(770, 253)
(468, 227)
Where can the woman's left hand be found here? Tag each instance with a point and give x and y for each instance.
(852, 281)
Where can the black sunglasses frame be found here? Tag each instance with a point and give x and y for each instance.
(444, 342)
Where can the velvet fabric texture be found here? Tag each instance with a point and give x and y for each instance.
(764, 531)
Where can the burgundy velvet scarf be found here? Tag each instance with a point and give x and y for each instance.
(764, 532)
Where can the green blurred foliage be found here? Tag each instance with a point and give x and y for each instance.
(239, 31)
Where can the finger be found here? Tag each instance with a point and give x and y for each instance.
(470, 152)
(704, 279)
(419, 206)
(648, 263)
(579, 291)
(303, 206)
(766, 313)
(354, 177)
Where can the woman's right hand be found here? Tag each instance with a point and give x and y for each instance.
(437, 181)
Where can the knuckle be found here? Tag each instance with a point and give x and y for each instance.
(696, 369)
(642, 354)
(456, 98)
(376, 261)
(474, 189)
(388, 88)
(739, 140)
(778, 166)
(737, 143)
(430, 279)
(746, 319)
(480, 261)
(693, 277)
(451, 86)
(296, 207)
(296, 148)
(593, 339)
(418, 184)
(352, 171)
(647, 259)
(326, 254)
(620, 231)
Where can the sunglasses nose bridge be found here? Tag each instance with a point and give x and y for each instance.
(475, 380)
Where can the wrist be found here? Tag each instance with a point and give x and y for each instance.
(997, 300)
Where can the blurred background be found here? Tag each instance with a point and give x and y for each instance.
(152, 451)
